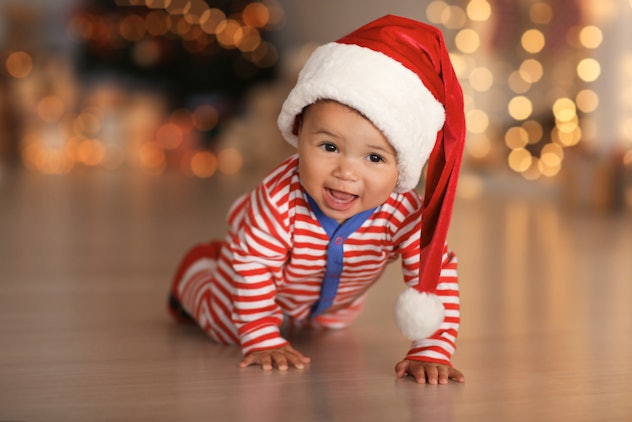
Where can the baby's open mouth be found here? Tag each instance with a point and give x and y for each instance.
(340, 196)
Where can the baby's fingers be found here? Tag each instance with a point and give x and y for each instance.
(456, 375)
(279, 359)
(256, 359)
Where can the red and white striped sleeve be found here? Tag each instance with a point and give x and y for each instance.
(441, 346)
(259, 249)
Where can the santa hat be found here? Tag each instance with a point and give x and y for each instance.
(397, 73)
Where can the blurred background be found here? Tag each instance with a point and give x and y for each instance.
(194, 86)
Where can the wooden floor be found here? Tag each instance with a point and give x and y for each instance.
(86, 261)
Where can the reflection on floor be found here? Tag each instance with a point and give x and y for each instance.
(86, 260)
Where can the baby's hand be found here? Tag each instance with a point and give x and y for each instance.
(423, 372)
(281, 358)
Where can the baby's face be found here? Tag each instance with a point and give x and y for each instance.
(346, 164)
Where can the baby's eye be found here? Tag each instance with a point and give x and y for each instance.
(329, 147)
(375, 158)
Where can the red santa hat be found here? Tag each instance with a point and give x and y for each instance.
(397, 73)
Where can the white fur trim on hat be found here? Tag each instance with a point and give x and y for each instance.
(418, 315)
(390, 95)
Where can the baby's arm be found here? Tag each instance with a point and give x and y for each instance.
(282, 358)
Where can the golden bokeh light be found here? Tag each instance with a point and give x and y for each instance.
(532, 41)
(531, 70)
(602, 10)
(517, 83)
(554, 153)
(533, 172)
(534, 130)
(568, 127)
(467, 41)
(519, 160)
(587, 100)
(551, 158)
(453, 17)
(588, 70)
(590, 36)
(516, 137)
(19, 64)
(549, 168)
(434, 11)
(564, 110)
(479, 10)
(566, 139)
(520, 107)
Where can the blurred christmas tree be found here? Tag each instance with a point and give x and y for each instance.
(186, 49)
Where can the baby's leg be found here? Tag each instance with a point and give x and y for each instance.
(192, 295)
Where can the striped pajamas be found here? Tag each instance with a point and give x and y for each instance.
(271, 265)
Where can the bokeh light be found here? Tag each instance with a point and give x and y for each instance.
(587, 100)
(19, 64)
(477, 121)
(531, 71)
(256, 15)
(590, 36)
(479, 10)
(541, 13)
(481, 79)
(520, 107)
(532, 41)
(520, 160)
(230, 161)
(589, 69)
(51, 108)
(204, 164)
(467, 41)
(516, 137)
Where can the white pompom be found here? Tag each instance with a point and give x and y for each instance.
(418, 315)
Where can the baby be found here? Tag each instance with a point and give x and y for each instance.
(368, 111)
